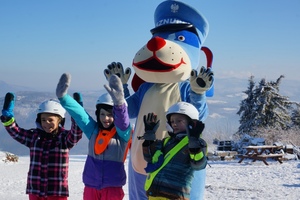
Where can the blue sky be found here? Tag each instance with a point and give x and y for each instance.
(40, 40)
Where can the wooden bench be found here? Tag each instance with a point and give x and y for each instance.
(262, 153)
(264, 157)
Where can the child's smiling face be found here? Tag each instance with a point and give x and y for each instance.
(106, 118)
(50, 122)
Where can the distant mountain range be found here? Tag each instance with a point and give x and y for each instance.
(222, 121)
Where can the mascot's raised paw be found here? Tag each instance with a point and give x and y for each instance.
(202, 82)
(117, 69)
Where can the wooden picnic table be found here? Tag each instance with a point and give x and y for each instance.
(262, 153)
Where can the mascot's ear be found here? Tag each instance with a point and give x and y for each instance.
(209, 56)
(136, 82)
(209, 59)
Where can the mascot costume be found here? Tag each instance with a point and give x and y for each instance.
(166, 73)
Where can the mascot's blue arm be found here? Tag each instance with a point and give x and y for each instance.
(85, 122)
(198, 100)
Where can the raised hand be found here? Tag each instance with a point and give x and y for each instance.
(117, 69)
(63, 85)
(77, 96)
(115, 89)
(203, 81)
(194, 130)
(151, 125)
(8, 106)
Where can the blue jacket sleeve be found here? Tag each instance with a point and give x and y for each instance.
(85, 122)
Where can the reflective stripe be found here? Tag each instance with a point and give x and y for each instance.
(197, 156)
(156, 155)
(9, 122)
(167, 159)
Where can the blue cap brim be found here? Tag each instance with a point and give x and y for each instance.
(174, 27)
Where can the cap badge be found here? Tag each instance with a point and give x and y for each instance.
(174, 8)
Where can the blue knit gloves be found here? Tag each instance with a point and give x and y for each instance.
(77, 96)
(8, 106)
(7, 116)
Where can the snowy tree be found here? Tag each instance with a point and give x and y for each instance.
(296, 116)
(264, 107)
(277, 107)
(246, 109)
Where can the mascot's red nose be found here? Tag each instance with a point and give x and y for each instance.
(156, 43)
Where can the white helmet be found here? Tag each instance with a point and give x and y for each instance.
(183, 108)
(52, 106)
(105, 99)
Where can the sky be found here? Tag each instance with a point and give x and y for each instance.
(40, 40)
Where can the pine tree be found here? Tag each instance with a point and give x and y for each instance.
(277, 107)
(296, 117)
(264, 107)
(246, 109)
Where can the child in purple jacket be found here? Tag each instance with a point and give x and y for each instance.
(109, 135)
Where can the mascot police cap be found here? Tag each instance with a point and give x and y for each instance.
(181, 16)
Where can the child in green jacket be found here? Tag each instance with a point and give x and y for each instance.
(173, 160)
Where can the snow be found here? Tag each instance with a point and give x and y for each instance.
(225, 179)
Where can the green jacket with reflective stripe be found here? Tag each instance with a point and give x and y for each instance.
(173, 180)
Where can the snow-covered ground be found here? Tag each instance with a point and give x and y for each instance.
(225, 179)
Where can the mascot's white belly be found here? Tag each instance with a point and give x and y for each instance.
(157, 100)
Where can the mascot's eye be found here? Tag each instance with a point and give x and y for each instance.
(181, 38)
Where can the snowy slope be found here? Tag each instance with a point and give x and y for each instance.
(226, 180)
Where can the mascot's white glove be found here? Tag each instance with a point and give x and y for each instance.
(115, 89)
(117, 69)
(63, 85)
(202, 82)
